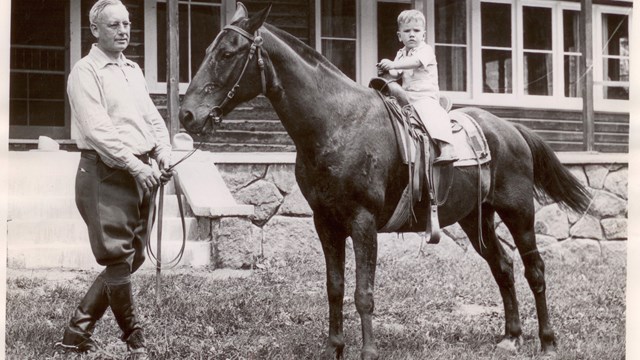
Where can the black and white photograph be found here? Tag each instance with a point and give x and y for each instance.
(319, 179)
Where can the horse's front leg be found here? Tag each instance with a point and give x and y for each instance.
(365, 246)
(333, 246)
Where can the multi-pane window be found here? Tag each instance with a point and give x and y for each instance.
(537, 51)
(572, 52)
(497, 48)
(615, 56)
(199, 23)
(451, 44)
(338, 34)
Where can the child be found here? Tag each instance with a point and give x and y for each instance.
(417, 65)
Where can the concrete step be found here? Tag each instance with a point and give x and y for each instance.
(79, 256)
(74, 231)
(53, 207)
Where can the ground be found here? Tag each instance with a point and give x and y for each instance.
(427, 307)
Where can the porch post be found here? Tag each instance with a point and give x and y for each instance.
(586, 64)
(173, 72)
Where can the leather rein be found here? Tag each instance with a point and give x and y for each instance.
(216, 116)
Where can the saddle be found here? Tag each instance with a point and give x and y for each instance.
(417, 150)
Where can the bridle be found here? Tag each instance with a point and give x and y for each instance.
(215, 114)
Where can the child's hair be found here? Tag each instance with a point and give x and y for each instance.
(409, 15)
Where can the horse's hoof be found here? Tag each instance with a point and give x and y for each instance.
(370, 353)
(332, 352)
(509, 345)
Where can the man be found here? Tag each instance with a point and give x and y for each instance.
(119, 129)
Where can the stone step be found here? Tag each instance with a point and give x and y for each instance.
(224, 147)
(53, 207)
(252, 125)
(79, 255)
(74, 231)
(249, 137)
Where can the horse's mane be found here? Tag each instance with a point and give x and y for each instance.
(307, 53)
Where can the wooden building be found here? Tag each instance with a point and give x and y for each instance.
(517, 58)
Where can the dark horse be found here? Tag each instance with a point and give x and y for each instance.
(349, 168)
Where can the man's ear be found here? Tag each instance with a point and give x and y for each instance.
(94, 30)
(399, 38)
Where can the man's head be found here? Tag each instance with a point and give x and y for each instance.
(111, 26)
(411, 28)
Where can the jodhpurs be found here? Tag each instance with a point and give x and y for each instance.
(116, 211)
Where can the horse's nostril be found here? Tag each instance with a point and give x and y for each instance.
(186, 116)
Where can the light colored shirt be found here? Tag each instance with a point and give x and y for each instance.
(113, 113)
(421, 82)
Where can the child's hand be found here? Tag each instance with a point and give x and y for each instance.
(385, 64)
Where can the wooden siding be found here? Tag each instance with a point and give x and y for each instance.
(563, 130)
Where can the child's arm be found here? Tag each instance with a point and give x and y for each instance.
(404, 63)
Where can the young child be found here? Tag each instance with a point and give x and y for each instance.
(417, 65)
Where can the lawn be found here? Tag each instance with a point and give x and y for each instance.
(426, 308)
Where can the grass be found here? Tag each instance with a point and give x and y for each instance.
(426, 308)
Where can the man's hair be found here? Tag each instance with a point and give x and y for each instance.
(99, 6)
(409, 15)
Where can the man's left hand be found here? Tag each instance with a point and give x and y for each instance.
(164, 163)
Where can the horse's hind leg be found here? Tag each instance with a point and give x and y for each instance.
(519, 219)
(501, 267)
(333, 246)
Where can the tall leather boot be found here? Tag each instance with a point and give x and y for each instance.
(77, 335)
(122, 305)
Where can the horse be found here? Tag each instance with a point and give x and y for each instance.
(349, 169)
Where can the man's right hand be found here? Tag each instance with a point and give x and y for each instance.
(148, 178)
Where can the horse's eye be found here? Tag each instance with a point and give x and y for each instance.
(226, 55)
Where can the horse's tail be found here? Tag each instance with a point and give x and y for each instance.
(551, 178)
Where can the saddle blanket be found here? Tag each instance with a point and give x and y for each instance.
(468, 140)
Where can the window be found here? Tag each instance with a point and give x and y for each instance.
(615, 56)
(338, 34)
(199, 21)
(572, 53)
(387, 24)
(497, 48)
(537, 51)
(38, 67)
(451, 44)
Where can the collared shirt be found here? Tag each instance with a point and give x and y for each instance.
(421, 82)
(113, 112)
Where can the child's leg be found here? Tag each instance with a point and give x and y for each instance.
(437, 122)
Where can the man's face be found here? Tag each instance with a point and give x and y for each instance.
(112, 29)
(411, 33)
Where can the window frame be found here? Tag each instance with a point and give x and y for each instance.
(150, 37)
(357, 40)
(600, 103)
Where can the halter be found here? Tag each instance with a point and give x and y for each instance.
(256, 46)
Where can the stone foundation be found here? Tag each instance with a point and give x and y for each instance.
(282, 224)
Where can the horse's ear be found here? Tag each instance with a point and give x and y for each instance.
(241, 12)
(258, 19)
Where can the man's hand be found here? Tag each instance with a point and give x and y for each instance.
(164, 163)
(148, 178)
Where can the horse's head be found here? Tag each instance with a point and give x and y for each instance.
(232, 72)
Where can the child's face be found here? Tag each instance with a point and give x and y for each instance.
(411, 33)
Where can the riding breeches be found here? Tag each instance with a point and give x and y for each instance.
(435, 119)
(116, 211)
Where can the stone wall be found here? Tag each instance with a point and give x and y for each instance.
(282, 222)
